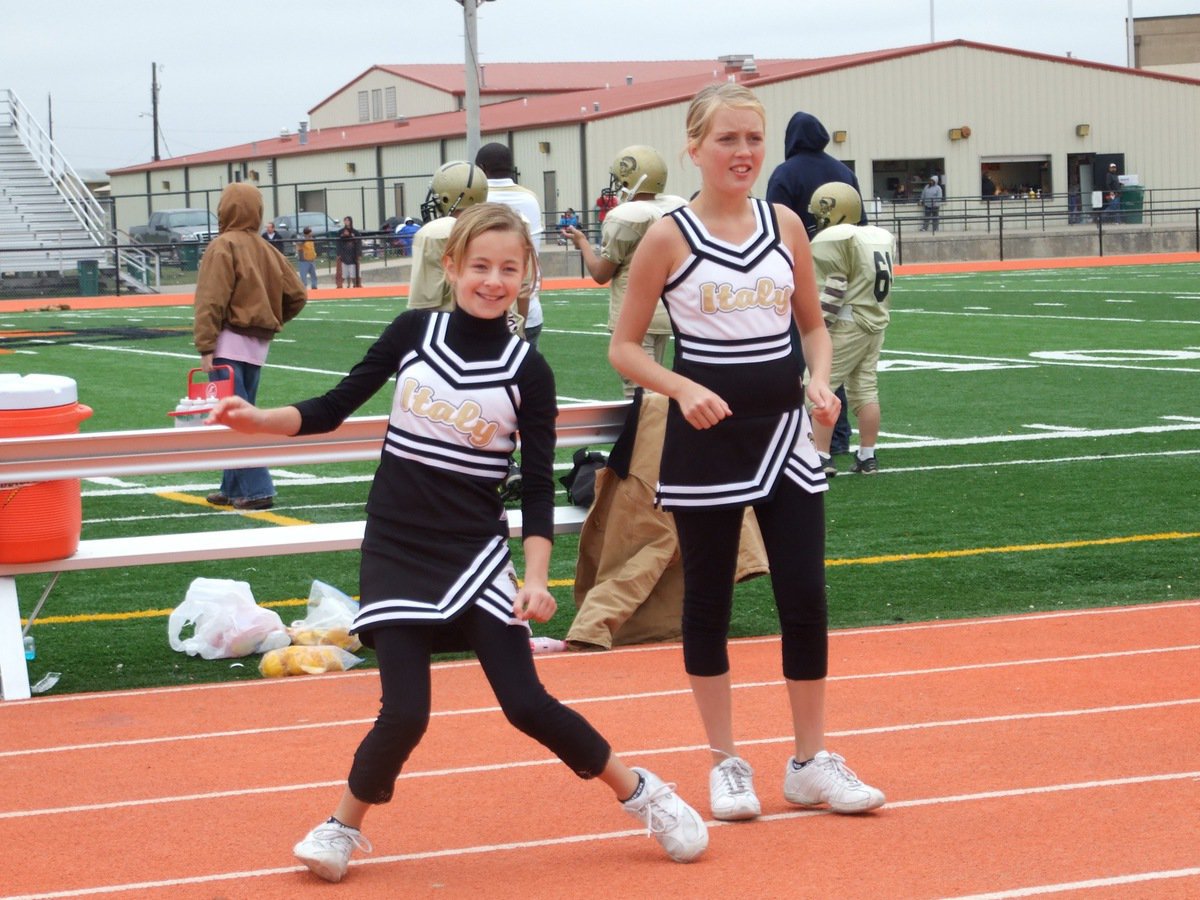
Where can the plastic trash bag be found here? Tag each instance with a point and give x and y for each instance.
(328, 620)
(224, 621)
(297, 660)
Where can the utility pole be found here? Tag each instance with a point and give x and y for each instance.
(1130, 55)
(154, 105)
(931, 38)
(471, 70)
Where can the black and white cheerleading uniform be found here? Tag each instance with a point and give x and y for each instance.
(730, 309)
(436, 539)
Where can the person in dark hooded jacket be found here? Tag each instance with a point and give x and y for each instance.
(806, 166)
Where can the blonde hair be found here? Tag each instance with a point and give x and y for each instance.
(484, 217)
(715, 97)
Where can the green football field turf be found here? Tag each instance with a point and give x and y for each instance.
(1040, 440)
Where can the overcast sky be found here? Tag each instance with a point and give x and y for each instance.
(233, 71)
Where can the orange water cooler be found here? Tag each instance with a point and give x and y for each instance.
(42, 520)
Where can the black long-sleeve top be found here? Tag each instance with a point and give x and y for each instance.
(464, 387)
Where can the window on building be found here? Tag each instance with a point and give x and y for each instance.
(1016, 176)
(902, 179)
(364, 107)
(376, 104)
(390, 110)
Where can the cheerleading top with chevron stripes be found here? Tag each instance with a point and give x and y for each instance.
(436, 536)
(730, 309)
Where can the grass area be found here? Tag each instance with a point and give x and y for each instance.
(1039, 449)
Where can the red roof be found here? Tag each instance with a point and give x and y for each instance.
(538, 78)
(605, 94)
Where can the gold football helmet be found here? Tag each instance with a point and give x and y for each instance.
(454, 187)
(637, 169)
(835, 203)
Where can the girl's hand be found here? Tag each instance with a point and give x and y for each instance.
(700, 406)
(235, 413)
(534, 603)
(826, 407)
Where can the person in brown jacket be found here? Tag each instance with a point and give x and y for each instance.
(629, 575)
(245, 291)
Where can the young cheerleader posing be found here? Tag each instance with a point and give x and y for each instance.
(733, 271)
(436, 573)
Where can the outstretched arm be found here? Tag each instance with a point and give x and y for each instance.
(242, 416)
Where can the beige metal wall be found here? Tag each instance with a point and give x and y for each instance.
(900, 109)
(412, 99)
(1166, 41)
(906, 108)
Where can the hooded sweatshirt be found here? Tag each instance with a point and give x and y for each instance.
(805, 168)
(244, 284)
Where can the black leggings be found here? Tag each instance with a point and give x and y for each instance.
(404, 653)
(793, 529)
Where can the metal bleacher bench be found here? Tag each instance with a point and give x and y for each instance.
(169, 450)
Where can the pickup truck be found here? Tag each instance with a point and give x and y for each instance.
(171, 227)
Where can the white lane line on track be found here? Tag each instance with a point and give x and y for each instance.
(673, 648)
(552, 761)
(1042, 890)
(617, 698)
(639, 832)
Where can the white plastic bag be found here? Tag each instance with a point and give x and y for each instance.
(226, 621)
(329, 617)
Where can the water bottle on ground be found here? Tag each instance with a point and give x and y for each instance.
(546, 645)
(30, 647)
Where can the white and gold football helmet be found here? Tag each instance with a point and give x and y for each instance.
(454, 187)
(637, 169)
(835, 203)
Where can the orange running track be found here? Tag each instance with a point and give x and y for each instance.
(1046, 754)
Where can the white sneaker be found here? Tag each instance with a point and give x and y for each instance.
(731, 790)
(326, 849)
(668, 819)
(825, 779)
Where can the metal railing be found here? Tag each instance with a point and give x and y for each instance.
(1058, 219)
(51, 269)
(54, 165)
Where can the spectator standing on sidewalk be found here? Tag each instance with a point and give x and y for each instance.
(349, 252)
(246, 291)
(931, 202)
(306, 253)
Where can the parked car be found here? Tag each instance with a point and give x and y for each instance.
(291, 228)
(169, 228)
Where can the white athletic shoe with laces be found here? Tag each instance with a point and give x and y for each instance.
(326, 849)
(826, 779)
(668, 819)
(731, 791)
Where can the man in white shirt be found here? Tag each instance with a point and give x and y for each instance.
(496, 160)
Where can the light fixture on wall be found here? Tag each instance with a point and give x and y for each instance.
(960, 134)
(1083, 130)
(166, 185)
(839, 137)
(351, 168)
(254, 174)
(544, 146)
